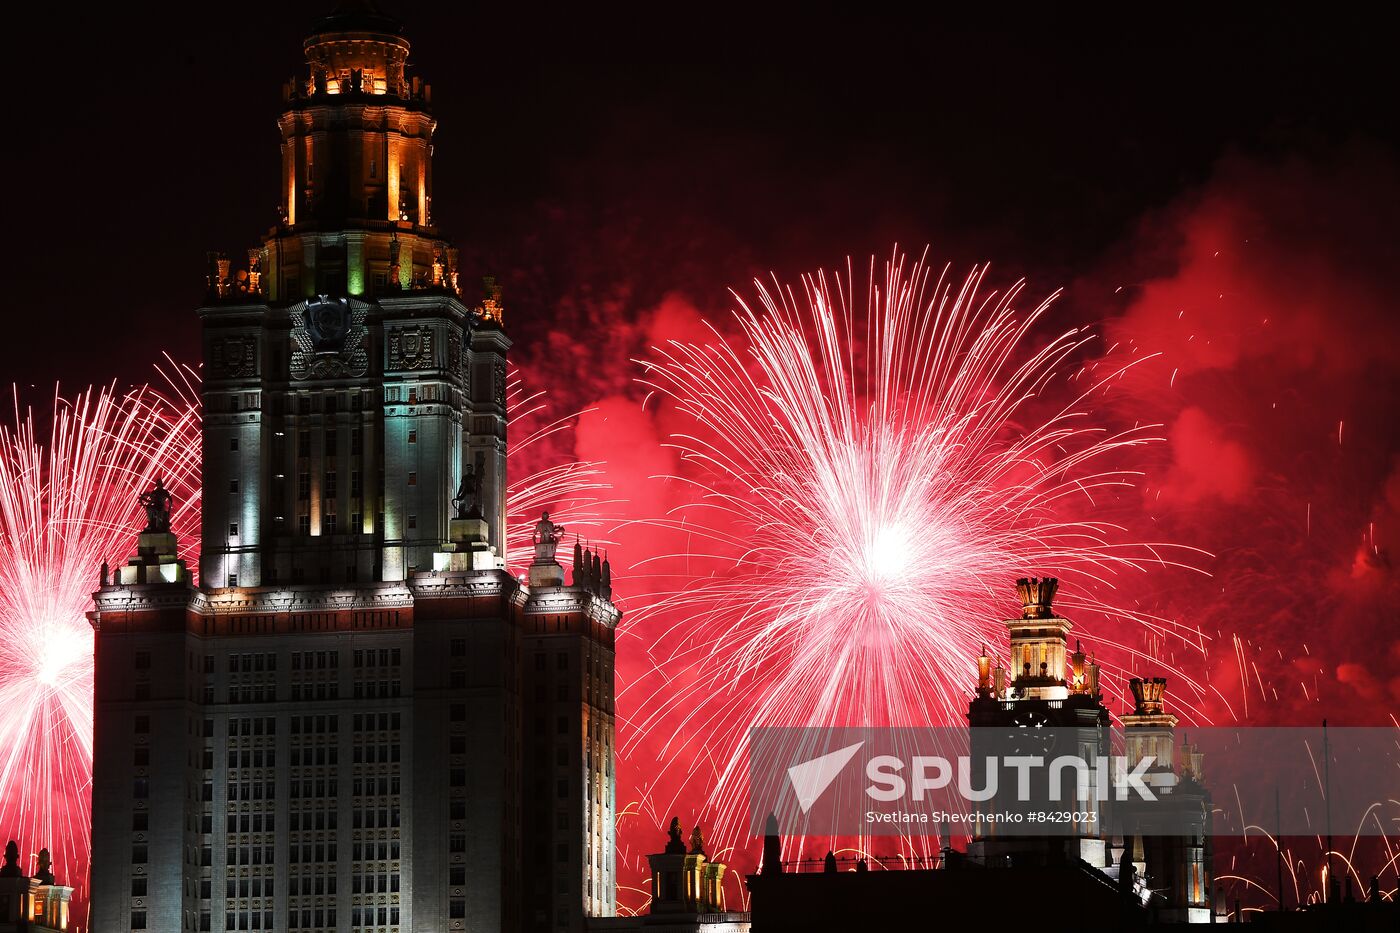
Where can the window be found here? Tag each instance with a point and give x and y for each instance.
(304, 524)
(413, 396)
(233, 486)
(457, 874)
(143, 660)
(138, 886)
(355, 441)
(138, 854)
(303, 443)
(412, 478)
(303, 485)
(233, 443)
(138, 920)
(233, 529)
(233, 579)
(330, 491)
(413, 521)
(141, 756)
(328, 524)
(143, 725)
(140, 821)
(413, 437)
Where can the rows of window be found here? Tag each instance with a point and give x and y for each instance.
(249, 920)
(311, 885)
(302, 852)
(374, 916)
(375, 883)
(312, 820)
(368, 722)
(251, 822)
(250, 790)
(312, 725)
(318, 756)
(255, 662)
(381, 657)
(378, 689)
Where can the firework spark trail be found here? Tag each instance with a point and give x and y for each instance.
(570, 491)
(868, 485)
(67, 503)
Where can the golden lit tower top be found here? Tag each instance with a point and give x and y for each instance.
(355, 207)
(1038, 641)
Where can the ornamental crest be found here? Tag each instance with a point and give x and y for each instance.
(231, 357)
(454, 352)
(328, 338)
(411, 348)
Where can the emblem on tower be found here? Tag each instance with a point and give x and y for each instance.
(327, 323)
(329, 337)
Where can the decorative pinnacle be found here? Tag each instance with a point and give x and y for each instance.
(1037, 593)
(1147, 695)
(491, 310)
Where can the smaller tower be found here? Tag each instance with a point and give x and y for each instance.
(1038, 642)
(1167, 840)
(1051, 706)
(685, 882)
(1148, 731)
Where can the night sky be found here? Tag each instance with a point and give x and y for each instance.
(661, 147)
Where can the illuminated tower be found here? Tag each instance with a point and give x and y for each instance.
(349, 384)
(1168, 839)
(328, 733)
(1049, 706)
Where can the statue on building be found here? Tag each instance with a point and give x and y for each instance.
(546, 539)
(467, 502)
(395, 270)
(11, 867)
(44, 873)
(675, 845)
(697, 841)
(156, 501)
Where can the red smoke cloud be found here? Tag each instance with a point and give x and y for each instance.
(1273, 313)
(1266, 295)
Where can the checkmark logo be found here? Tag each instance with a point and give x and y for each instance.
(810, 779)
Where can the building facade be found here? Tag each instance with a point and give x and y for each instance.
(358, 719)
